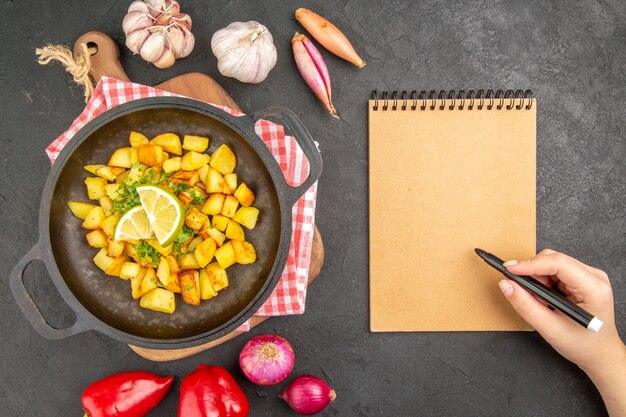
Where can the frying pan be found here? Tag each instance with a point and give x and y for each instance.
(103, 303)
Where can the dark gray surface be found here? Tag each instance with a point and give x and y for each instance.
(571, 54)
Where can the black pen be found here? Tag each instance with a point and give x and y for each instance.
(550, 296)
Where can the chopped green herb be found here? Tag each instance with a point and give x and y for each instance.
(184, 235)
(197, 197)
(147, 254)
(187, 288)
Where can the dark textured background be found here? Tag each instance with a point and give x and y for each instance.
(572, 54)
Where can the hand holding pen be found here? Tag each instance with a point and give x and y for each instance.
(601, 355)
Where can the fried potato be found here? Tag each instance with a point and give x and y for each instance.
(121, 158)
(130, 270)
(108, 225)
(81, 210)
(136, 139)
(204, 252)
(244, 195)
(109, 173)
(217, 275)
(224, 160)
(135, 283)
(214, 204)
(94, 218)
(195, 143)
(206, 287)
(195, 219)
(192, 161)
(214, 181)
(172, 164)
(231, 182)
(244, 252)
(163, 271)
(225, 255)
(189, 286)
(159, 299)
(230, 206)
(235, 231)
(247, 216)
(187, 262)
(97, 239)
(95, 187)
(170, 142)
(150, 155)
(220, 222)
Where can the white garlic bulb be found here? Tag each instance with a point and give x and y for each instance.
(157, 31)
(245, 51)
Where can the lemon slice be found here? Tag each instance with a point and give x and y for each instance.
(166, 214)
(133, 225)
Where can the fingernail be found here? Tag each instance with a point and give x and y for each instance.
(506, 288)
(510, 263)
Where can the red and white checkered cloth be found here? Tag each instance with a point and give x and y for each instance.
(290, 293)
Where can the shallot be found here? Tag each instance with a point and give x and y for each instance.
(329, 36)
(308, 394)
(266, 359)
(313, 70)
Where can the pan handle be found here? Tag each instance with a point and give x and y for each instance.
(304, 139)
(28, 306)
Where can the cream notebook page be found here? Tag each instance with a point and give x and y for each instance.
(441, 183)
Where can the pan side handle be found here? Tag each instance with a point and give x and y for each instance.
(28, 306)
(306, 143)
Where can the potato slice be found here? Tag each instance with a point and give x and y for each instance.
(149, 281)
(130, 270)
(116, 266)
(194, 160)
(135, 283)
(108, 225)
(244, 195)
(220, 222)
(235, 231)
(173, 285)
(174, 268)
(136, 139)
(80, 210)
(112, 191)
(150, 155)
(189, 287)
(172, 165)
(214, 181)
(204, 252)
(244, 252)
(230, 206)
(92, 168)
(94, 218)
(115, 249)
(247, 216)
(225, 255)
(214, 234)
(195, 143)
(97, 239)
(102, 260)
(95, 187)
(206, 287)
(170, 142)
(223, 159)
(194, 243)
(159, 299)
(121, 158)
(109, 173)
(187, 262)
(121, 177)
(163, 271)
(135, 174)
(188, 177)
(231, 182)
(195, 219)
(134, 156)
(214, 204)
(218, 276)
(107, 205)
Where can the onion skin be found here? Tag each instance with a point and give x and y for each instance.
(308, 395)
(266, 359)
(329, 36)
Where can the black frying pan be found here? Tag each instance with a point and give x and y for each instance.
(103, 303)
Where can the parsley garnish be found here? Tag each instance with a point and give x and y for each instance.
(183, 237)
(197, 197)
(147, 254)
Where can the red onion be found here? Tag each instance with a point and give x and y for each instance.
(266, 359)
(308, 394)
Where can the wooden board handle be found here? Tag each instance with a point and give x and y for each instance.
(105, 56)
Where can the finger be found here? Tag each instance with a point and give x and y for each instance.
(538, 315)
(595, 271)
(567, 269)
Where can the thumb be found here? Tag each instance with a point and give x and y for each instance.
(534, 312)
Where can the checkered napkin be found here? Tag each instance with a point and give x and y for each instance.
(290, 293)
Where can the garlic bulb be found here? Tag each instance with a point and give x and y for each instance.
(157, 31)
(245, 51)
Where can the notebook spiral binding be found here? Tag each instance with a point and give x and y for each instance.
(513, 99)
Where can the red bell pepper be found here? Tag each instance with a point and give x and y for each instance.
(128, 394)
(210, 391)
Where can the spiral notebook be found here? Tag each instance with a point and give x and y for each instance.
(448, 172)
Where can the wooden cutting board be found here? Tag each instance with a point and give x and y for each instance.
(105, 62)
